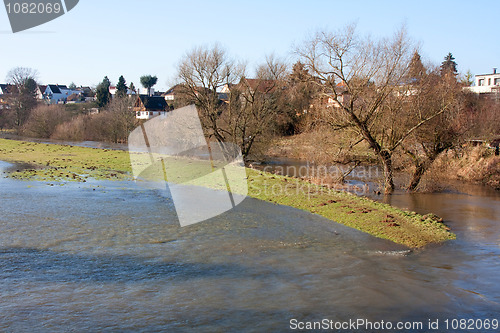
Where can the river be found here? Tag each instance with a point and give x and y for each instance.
(111, 256)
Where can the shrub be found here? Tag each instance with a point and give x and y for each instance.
(44, 120)
(112, 125)
(73, 130)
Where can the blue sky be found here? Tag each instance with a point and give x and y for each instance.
(133, 38)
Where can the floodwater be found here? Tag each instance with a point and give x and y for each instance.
(87, 144)
(111, 256)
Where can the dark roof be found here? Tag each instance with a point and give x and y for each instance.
(42, 88)
(8, 88)
(54, 88)
(154, 103)
(87, 92)
(223, 96)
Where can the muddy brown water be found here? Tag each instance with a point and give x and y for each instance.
(111, 256)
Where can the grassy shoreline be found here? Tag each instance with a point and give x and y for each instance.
(56, 163)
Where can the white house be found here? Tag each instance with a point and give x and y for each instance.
(112, 91)
(144, 91)
(147, 107)
(486, 83)
(40, 90)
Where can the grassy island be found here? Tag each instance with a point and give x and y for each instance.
(59, 163)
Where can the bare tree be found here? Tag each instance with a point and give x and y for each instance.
(123, 120)
(442, 95)
(232, 108)
(23, 100)
(203, 72)
(300, 94)
(255, 105)
(365, 79)
(19, 76)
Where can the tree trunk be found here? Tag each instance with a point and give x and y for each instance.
(420, 169)
(388, 175)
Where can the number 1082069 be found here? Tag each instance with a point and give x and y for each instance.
(34, 8)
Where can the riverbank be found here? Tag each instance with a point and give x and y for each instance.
(477, 165)
(474, 165)
(60, 163)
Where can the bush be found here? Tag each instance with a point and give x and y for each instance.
(44, 120)
(73, 130)
(111, 125)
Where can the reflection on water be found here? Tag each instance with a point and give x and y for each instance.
(111, 256)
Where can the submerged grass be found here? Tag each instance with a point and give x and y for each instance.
(49, 162)
(378, 219)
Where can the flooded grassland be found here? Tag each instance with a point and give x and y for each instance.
(105, 255)
(55, 163)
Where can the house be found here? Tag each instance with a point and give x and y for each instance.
(88, 94)
(328, 99)
(8, 89)
(53, 93)
(173, 93)
(245, 87)
(486, 83)
(56, 93)
(169, 95)
(112, 91)
(262, 86)
(4, 103)
(226, 89)
(75, 98)
(40, 90)
(147, 107)
(145, 91)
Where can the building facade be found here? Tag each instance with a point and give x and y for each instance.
(486, 83)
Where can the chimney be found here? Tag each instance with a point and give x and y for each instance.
(494, 70)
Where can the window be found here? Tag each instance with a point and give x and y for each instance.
(481, 82)
(489, 82)
(497, 82)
